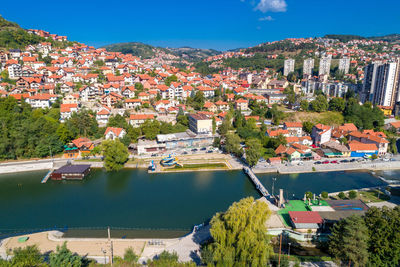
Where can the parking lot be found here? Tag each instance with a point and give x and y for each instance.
(332, 164)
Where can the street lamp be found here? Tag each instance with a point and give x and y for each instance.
(289, 250)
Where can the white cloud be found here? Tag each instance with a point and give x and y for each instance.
(272, 5)
(267, 18)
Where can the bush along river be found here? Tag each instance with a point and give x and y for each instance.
(137, 204)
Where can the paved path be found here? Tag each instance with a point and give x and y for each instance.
(187, 247)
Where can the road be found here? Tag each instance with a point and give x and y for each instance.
(307, 166)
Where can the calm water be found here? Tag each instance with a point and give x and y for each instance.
(135, 199)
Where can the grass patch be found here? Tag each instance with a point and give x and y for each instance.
(198, 166)
(328, 117)
(89, 160)
(372, 196)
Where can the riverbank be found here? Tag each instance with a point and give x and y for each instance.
(101, 249)
(231, 163)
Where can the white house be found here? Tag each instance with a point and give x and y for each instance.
(113, 133)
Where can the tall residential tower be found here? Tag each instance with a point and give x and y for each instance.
(288, 67)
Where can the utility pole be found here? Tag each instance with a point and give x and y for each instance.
(111, 247)
(280, 247)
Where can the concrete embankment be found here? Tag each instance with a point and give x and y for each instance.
(31, 165)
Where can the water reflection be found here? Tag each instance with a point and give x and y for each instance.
(117, 182)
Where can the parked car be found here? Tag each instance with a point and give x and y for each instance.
(203, 148)
(317, 162)
(210, 151)
(345, 161)
(300, 163)
(352, 160)
(325, 162)
(334, 162)
(392, 159)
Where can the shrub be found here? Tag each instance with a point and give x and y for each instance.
(352, 194)
(341, 195)
(324, 194)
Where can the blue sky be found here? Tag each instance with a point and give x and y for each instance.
(218, 24)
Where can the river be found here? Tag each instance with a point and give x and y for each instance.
(135, 199)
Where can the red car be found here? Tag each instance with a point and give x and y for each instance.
(325, 162)
(334, 162)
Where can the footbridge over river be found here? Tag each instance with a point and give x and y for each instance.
(260, 187)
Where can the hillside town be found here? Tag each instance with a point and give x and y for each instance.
(129, 154)
(81, 77)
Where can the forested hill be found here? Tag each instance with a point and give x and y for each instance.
(146, 51)
(137, 49)
(193, 54)
(12, 36)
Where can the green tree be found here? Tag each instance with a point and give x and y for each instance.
(309, 195)
(349, 241)
(290, 94)
(115, 154)
(64, 257)
(170, 79)
(27, 257)
(239, 236)
(117, 121)
(198, 100)
(353, 194)
(275, 114)
(253, 151)
(139, 86)
(130, 256)
(304, 105)
(292, 77)
(320, 104)
(64, 134)
(324, 194)
(392, 145)
(168, 259)
(308, 126)
(384, 237)
(232, 144)
(342, 195)
(337, 104)
(183, 119)
(83, 123)
(151, 129)
(214, 125)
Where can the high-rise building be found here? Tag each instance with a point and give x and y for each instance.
(288, 67)
(344, 65)
(325, 66)
(382, 83)
(308, 66)
(368, 88)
